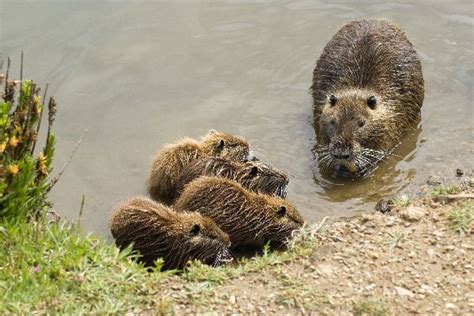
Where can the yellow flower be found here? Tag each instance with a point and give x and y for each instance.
(13, 141)
(2, 147)
(13, 169)
(41, 164)
(36, 99)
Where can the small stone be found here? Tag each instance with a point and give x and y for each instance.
(450, 306)
(412, 213)
(384, 206)
(232, 299)
(403, 292)
(459, 172)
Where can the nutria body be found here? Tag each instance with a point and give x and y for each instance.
(255, 176)
(368, 92)
(156, 231)
(250, 219)
(170, 161)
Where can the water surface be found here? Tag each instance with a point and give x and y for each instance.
(140, 74)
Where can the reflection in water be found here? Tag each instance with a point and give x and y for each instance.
(384, 180)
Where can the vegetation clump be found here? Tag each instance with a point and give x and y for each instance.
(24, 174)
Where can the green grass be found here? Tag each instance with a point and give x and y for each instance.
(461, 219)
(369, 307)
(445, 190)
(53, 268)
(402, 201)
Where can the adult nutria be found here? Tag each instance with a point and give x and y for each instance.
(170, 161)
(249, 218)
(156, 231)
(368, 92)
(253, 175)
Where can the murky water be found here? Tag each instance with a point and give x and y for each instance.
(140, 74)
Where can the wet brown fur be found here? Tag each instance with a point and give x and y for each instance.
(365, 58)
(156, 231)
(252, 175)
(249, 218)
(172, 159)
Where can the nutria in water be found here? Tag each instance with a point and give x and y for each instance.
(367, 92)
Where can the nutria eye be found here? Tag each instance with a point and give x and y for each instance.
(361, 123)
(253, 171)
(372, 102)
(281, 211)
(221, 144)
(195, 229)
(332, 100)
(333, 122)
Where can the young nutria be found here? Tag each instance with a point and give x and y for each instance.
(156, 231)
(249, 218)
(171, 160)
(253, 175)
(368, 92)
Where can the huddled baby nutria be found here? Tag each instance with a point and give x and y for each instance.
(172, 159)
(250, 219)
(253, 175)
(367, 92)
(156, 231)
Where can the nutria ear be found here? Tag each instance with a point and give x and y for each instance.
(220, 145)
(212, 132)
(195, 229)
(372, 102)
(332, 99)
(281, 211)
(253, 171)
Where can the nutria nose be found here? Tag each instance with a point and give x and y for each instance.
(342, 157)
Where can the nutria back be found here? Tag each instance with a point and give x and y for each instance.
(173, 158)
(249, 218)
(255, 176)
(367, 93)
(156, 231)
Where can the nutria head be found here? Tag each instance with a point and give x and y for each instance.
(263, 178)
(218, 144)
(203, 240)
(156, 231)
(283, 219)
(354, 133)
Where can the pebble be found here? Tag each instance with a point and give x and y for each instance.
(412, 213)
(403, 292)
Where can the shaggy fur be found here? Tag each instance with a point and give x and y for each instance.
(156, 231)
(172, 159)
(252, 175)
(368, 92)
(249, 218)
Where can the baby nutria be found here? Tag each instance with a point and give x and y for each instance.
(170, 161)
(249, 218)
(253, 175)
(367, 92)
(156, 231)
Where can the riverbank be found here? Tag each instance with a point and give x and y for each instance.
(416, 258)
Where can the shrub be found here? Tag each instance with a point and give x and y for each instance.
(24, 173)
